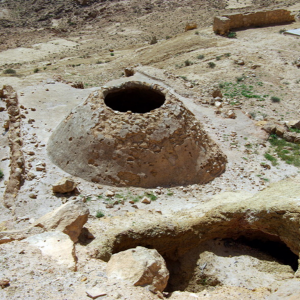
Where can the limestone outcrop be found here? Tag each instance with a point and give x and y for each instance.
(135, 134)
(68, 218)
(223, 24)
(141, 267)
(272, 214)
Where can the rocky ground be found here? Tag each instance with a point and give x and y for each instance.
(53, 46)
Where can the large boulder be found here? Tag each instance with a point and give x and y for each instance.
(141, 267)
(68, 218)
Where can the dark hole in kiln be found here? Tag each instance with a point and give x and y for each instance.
(136, 100)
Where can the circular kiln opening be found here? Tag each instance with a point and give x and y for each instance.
(134, 99)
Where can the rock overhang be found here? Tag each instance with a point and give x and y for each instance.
(107, 140)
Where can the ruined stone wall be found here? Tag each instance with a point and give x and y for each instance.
(223, 24)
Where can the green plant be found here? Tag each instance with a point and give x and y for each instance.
(1, 174)
(88, 199)
(184, 78)
(10, 71)
(219, 57)
(271, 158)
(168, 37)
(119, 196)
(281, 31)
(231, 35)
(275, 99)
(151, 196)
(188, 63)
(100, 197)
(201, 56)
(36, 70)
(98, 62)
(292, 156)
(294, 130)
(227, 54)
(170, 193)
(112, 54)
(197, 32)
(99, 214)
(211, 64)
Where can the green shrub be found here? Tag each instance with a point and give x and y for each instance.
(36, 70)
(201, 56)
(112, 54)
(188, 63)
(99, 214)
(275, 99)
(211, 64)
(10, 71)
(271, 158)
(231, 35)
(1, 174)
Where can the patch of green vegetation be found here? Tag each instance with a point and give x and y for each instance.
(36, 70)
(219, 57)
(197, 32)
(170, 193)
(99, 214)
(211, 64)
(10, 71)
(119, 196)
(88, 199)
(275, 99)
(184, 78)
(231, 35)
(201, 56)
(151, 196)
(1, 174)
(227, 54)
(294, 130)
(168, 37)
(99, 62)
(100, 196)
(239, 89)
(112, 54)
(271, 158)
(281, 31)
(188, 63)
(291, 157)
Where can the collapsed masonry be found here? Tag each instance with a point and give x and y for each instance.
(223, 24)
(135, 134)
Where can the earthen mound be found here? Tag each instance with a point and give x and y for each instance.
(135, 134)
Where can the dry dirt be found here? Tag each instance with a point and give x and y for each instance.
(51, 45)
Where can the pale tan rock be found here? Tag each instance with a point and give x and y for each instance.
(64, 185)
(139, 266)
(68, 218)
(56, 245)
(95, 292)
(109, 193)
(146, 200)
